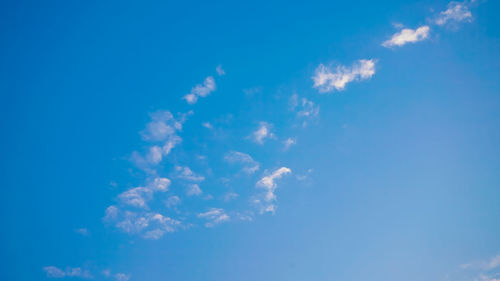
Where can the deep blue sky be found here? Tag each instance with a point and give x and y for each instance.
(392, 174)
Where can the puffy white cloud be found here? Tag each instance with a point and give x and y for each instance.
(456, 12)
(268, 181)
(250, 165)
(139, 196)
(266, 203)
(262, 133)
(162, 126)
(136, 196)
(162, 130)
(201, 90)
(160, 184)
(214, 216)
(151, 225)
(132, 222)
(407, 35)
(327, 79)
(187, 174)
(193, 190)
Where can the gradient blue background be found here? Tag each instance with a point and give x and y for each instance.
(406, 166)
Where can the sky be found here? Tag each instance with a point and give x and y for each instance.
(257, 140)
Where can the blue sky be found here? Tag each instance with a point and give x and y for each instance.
(266, 140)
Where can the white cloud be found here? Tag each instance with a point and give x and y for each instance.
(160, 184)
(308, 109)
(305, 109)
(162, 129)
(136, 197)
(132, 222)
(230, 196)
(288, 143)
(486, 270)
(122, 277)
(111, 213)
(207, 125)
(155, 154)
(214, 216)
(193, 190)
(269, 185)
(153, 225)
(55, 272)
(172, 201)
(220, 71)
(187, 174)
(162, 126)
(493, 263)
(250, 165)
(456, 12)
(407, 35)
(327, 79)
(263, 132)
(200, 90)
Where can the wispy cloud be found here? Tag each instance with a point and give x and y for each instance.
(305, 109)
(263, 132)
(201, 90)
(230, 196)
(327, 79)
(207, 125)
(407, 35)
(288, 143)
(82, 231)
(193, 190)
(186, 173)
(485, 270)
(456, 12)
(250, 165)
(122, 277)
(55, 272)
(172, 201)
(214, 216)
(150, 224)
(220, 71)
(484, 265)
